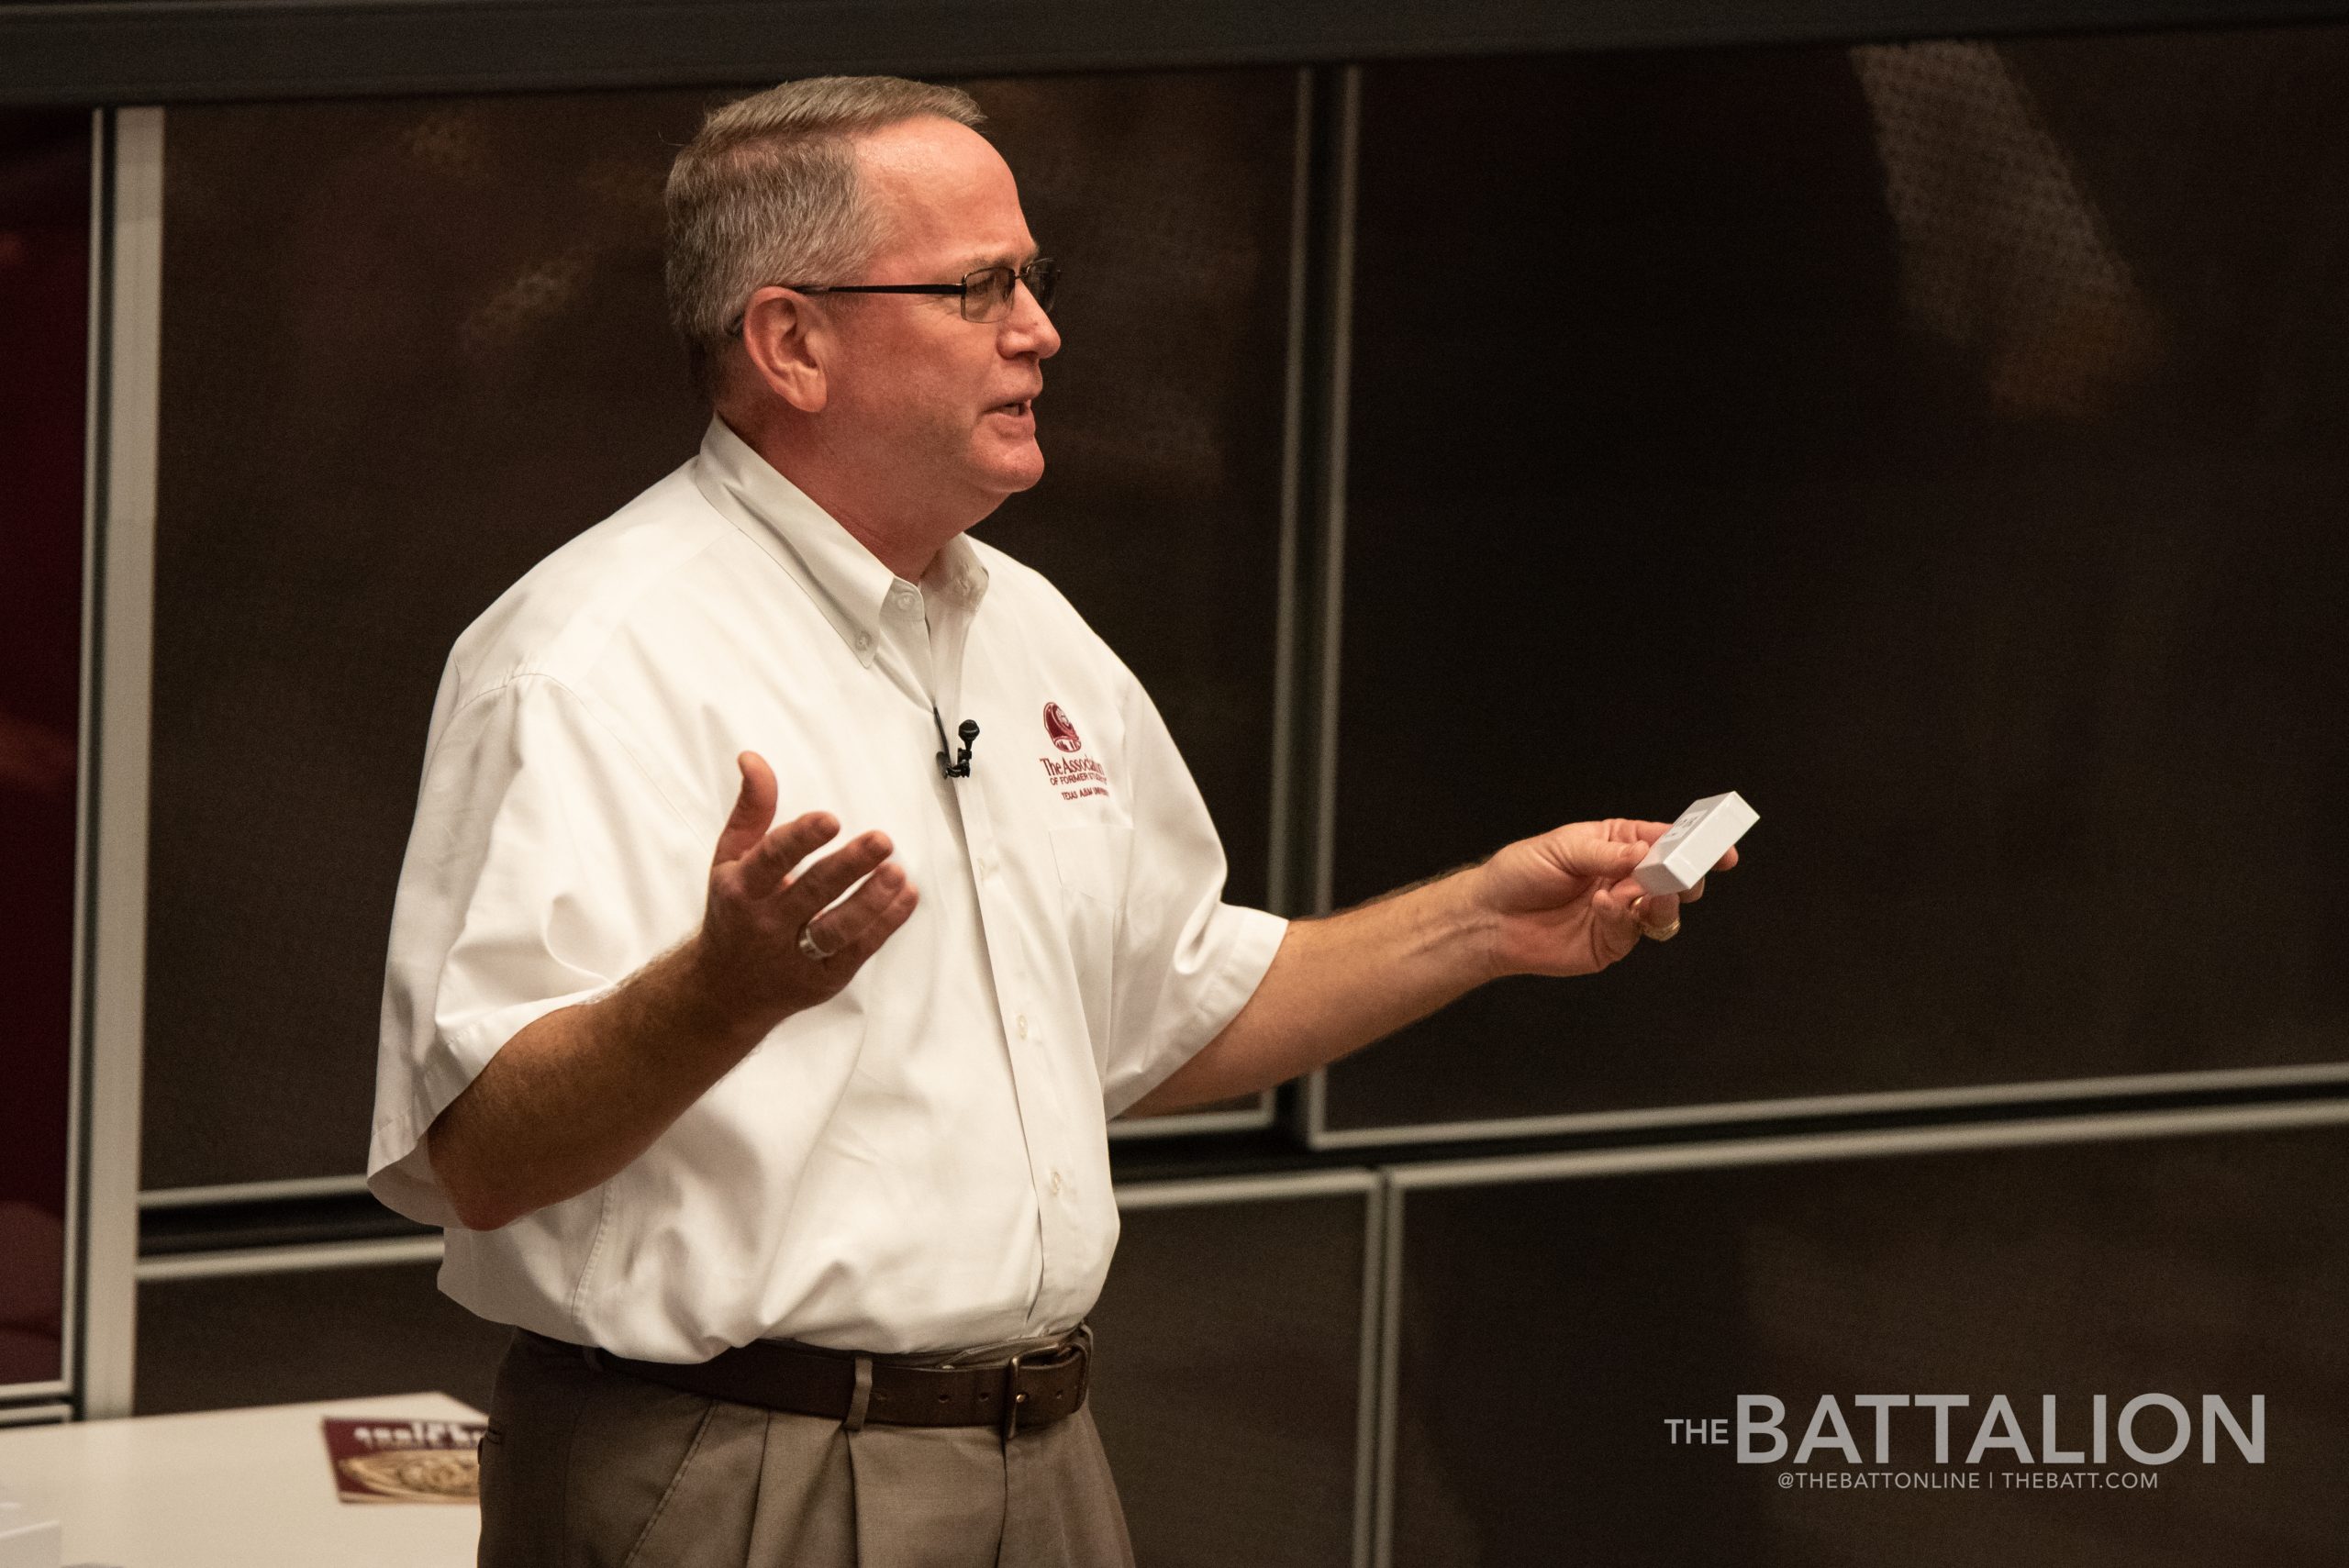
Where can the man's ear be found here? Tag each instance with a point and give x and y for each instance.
(787, 340)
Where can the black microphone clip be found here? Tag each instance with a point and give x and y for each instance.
(960, 768)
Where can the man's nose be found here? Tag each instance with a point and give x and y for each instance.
(1028, 330)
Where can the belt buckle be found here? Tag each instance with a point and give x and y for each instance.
(1080, 1342)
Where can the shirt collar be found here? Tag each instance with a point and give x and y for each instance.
(848, 582)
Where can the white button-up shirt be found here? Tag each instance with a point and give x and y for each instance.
(922, 1162)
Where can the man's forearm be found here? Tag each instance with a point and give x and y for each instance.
(569, 1101)
(1336, 984)
(1563, 903)
(576, 1095)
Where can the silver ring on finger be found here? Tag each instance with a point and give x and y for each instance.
(811, 947)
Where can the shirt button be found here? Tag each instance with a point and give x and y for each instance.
(864, 641)
(904, 601)
(1056, 1184)
(1020, 1023)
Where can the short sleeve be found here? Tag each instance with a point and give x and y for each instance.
(1185, 961)
(545, 866)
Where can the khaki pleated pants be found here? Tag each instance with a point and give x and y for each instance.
(586, 1467)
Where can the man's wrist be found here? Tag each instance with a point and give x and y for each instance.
(1471, 926)
(712, 1001)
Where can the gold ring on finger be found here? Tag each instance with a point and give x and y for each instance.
(1662, 934)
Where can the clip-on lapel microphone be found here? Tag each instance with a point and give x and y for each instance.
(960, 768)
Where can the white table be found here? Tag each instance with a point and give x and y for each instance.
(228, 1489)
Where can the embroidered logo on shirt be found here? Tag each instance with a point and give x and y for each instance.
(1080, 776)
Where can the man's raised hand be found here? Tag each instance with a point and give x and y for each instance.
(752, 951)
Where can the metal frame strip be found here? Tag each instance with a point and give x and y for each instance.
(292, 1189)
(1716, 1113)
(247, 1261)
(1183, 1123)
(1185, 1192)
(1337, 416)
(1371, 1386)
(120, 676)
(1391, 1363)
(1279, 879)
(1324, 399)
(1964, 1135)
(35, 1415)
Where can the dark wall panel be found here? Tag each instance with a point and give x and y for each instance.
(1226, 1390)
(412, 346)
(2188, 1266)
(212, 1344)
(44, 323)
(1941, 446)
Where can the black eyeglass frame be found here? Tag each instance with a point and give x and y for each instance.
(1043, 269)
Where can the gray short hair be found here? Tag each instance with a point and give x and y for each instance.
(767, 191)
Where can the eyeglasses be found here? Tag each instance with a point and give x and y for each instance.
(987, 294)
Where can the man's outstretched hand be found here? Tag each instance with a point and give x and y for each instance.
(575, 1096)
(1565, 903)
(750, 948)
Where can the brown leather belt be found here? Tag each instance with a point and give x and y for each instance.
(1033, 1389)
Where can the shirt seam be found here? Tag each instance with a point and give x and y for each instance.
(610, 626)
(1134, 815)
(587, 706)
(574, 1309)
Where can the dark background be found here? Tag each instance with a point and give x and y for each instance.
(1997, 561)
(2182, 1266)
(44, 283)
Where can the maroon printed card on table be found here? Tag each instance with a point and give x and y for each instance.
(379, 1460)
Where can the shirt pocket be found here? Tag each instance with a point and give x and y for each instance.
(1091, 860)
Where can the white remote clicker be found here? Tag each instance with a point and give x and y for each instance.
(1679, 859)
